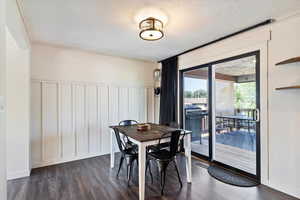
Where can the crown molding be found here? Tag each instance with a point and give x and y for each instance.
(19, 4)
(86, 50)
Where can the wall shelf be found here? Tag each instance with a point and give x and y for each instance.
(290, 87)
(288, 61)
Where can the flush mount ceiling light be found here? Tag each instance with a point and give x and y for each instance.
(151, 22)
(151, 29)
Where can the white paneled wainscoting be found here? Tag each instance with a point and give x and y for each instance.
(70, 119)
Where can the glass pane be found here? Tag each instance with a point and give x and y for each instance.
(235, 93)
(196, 109)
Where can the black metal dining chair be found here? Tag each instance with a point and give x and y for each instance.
(126, 139)
(164, 157)
(129, 154)
(165, 144)
(128, 122)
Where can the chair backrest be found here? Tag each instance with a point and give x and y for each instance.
(128, 122)
(174, 142)
(120, 142)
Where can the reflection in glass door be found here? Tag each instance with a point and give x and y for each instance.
(195, 108)
(236, 111)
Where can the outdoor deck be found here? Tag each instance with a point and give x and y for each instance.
(236, 149)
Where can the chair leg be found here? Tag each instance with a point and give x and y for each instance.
(175, 163)
(148, 166)
(162, 168)
(129, 168)
(163, 179)
(120, 165)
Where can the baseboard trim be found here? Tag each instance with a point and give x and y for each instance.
(18, 174)
(284, 190)
(64, 160)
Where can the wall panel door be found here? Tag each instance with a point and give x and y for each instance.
(92, 118)
(50, 133)
(70, 120)
(103, 114)
(82, 139)
(36, 123)
(142, 106)
(113, 105)
(123, 104)
(67, 129)
(133, 103)
(150, 105)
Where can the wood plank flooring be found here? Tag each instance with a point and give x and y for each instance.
(93, 179)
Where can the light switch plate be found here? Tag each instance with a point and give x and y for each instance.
(2, 104)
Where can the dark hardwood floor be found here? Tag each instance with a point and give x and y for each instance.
(92, 179)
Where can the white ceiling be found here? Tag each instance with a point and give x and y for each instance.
(238, 67)
(108, 26)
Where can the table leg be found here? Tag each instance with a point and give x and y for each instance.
(142, 167)
(112, 149)
(188, 155)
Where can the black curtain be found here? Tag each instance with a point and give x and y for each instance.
(168, 96)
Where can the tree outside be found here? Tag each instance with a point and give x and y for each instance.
(195, 94)
(245, 95)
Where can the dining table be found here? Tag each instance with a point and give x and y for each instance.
(237, 120)
(146, 138)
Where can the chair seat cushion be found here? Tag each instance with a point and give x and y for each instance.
(162, 154)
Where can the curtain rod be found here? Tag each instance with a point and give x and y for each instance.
(269, 21)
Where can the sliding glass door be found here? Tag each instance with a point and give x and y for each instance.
(196, 108)
(220, 105)
(236, 113)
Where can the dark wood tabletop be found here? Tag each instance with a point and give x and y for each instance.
(154, 133)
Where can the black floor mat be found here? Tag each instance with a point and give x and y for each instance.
(231, 178)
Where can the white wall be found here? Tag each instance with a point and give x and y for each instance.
(18, 111)
(18, 90)
(54, 63)
(2, 93)
(76, 95)
(280, 116)
(284, 107)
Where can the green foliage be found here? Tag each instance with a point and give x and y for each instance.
(200, 93)
(245, 95)
(196, 94)
(188, 94)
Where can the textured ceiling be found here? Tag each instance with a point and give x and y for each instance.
(234, 68)
(239, 67)
(108, 26)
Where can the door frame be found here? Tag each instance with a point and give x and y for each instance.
(181, 100)
(209, 158)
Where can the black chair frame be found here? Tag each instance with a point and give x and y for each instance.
(164, 157)
(129, 154)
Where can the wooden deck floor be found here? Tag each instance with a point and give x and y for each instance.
(233, 156)
(93, 179)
